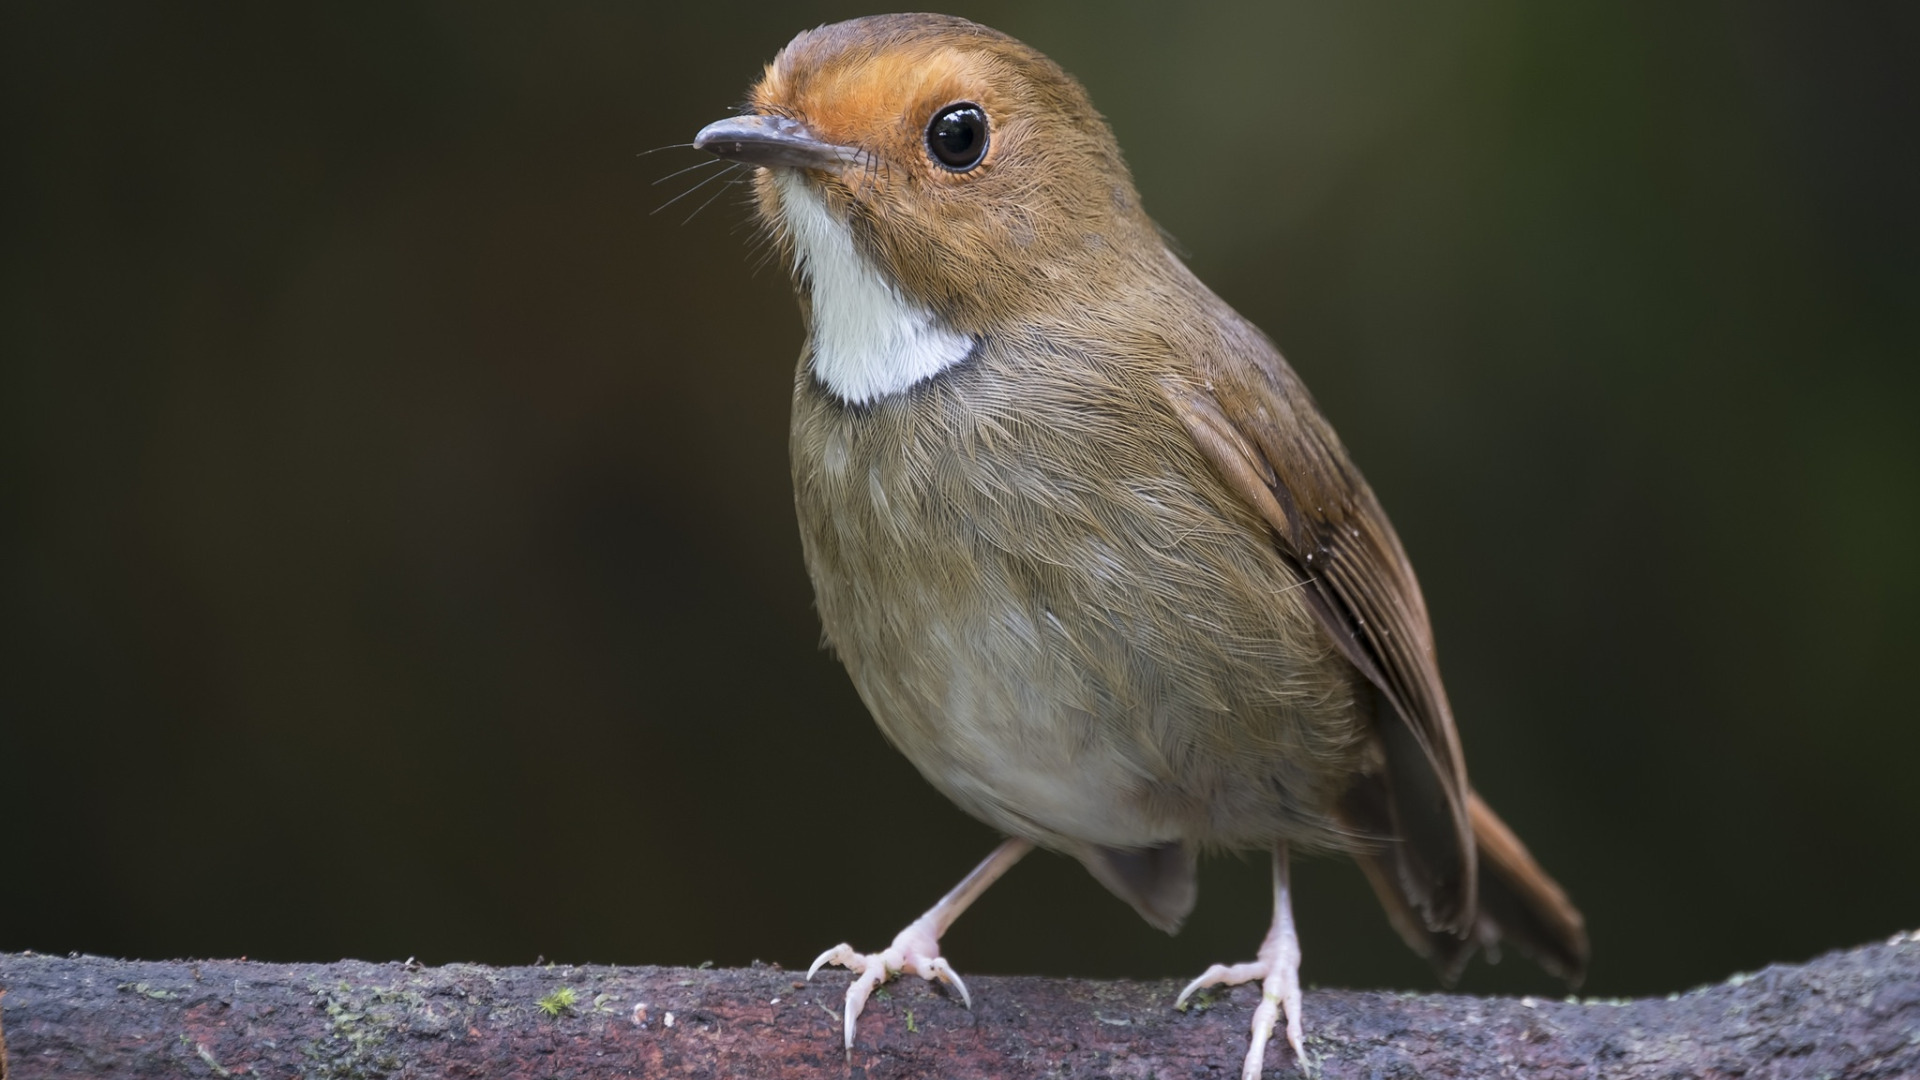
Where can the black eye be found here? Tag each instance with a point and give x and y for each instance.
(957, 138)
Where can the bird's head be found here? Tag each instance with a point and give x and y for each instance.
(964, 169)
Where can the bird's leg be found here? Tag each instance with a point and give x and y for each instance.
(916, 950)
(1277, 966)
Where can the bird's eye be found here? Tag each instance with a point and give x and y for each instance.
(957, 137)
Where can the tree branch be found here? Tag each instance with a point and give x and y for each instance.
(1853, 1014)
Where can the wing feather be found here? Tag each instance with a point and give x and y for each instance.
(1254, 421)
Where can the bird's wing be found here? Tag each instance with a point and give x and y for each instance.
(1253, 419)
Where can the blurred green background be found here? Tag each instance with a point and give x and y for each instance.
(398, 555)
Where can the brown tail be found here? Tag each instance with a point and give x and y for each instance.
(1518, 903)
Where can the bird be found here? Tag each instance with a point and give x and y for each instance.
(1091, 555)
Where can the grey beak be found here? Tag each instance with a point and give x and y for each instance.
(772, 140)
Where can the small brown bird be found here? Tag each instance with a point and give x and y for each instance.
(1090, 553)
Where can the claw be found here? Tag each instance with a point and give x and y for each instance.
(841, 954)
(1221, 975)
(945, 973)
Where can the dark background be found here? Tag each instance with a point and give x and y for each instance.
(398, 555)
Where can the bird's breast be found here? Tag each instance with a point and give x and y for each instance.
(1056, 612)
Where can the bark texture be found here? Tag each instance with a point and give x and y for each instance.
(1852, 1014)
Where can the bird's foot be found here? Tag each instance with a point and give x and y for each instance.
(1277, 968)
(1279, 978)
(916, 951)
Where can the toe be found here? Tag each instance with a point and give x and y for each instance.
(1222, 975)
(940, 969)
(857, 994)
(842, 955)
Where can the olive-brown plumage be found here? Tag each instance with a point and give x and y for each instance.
(1090, 553)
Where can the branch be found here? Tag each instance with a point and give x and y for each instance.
(1848, 1014)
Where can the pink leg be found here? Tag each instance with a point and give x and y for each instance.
(1277, 966)
(916, 951)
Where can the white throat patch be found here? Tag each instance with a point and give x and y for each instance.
(869, 338)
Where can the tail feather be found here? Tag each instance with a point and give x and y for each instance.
(1518, 904)
(1526, 906)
